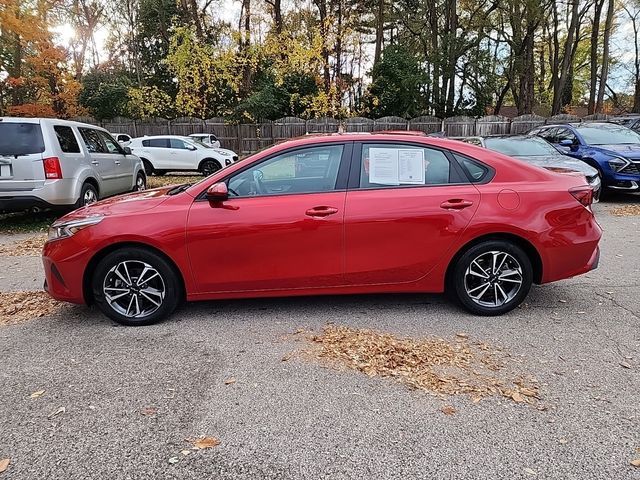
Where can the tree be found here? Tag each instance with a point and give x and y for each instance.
(105, 92)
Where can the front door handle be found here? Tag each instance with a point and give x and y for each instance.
(321, 211)
(95, 162)
(456, 204)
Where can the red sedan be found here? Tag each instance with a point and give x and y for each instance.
(337, 214)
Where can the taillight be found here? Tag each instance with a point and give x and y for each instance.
(584, 195)
(52, 168)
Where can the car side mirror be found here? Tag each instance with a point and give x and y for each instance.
(566, 143)
(218, 192)
(191, 147)
(127, 150)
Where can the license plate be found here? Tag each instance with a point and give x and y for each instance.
(5, 170)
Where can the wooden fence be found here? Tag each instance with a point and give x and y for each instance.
(250, 137)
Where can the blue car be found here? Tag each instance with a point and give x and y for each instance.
(614, 150)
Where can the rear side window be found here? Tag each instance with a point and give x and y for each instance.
(66, 139)
(387, 165)
(159, 142)
(92, 140)
(476, 171)
(20, 138)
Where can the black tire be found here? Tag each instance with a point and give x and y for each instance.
(209, 167)
(148, 168)
(464, 285)
(88, 195)
(141, 182)
(137, 259)
(159, 173)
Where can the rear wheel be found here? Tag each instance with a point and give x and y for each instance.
(135, 287)
(88, 195)
(492, 278)
(208, 167)
(141, 182)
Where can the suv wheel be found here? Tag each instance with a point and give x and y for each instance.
(208, 167)
(141, 183)
(135, 287)
(88, 195)
(148, 168)
(492, 278)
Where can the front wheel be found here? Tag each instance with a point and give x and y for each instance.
(208, 167)
(492, 278)
(135, 287)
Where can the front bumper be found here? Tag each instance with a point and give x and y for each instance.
(64, 263)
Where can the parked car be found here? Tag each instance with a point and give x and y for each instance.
(122, 138)
(376, 213)
(47, 163)
(164, 153)
(631, 121)
(207, 138)
(537, 151)
(614, 150)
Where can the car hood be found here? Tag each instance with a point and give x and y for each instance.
(559, 163)
(627, 150)
(128, 203)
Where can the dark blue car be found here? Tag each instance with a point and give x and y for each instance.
(612, 149)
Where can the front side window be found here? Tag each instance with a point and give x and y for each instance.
(110, 143)
(66, 139)
(387, 165)
(549, 134)
(92, 140)
(565, 134)
(308, 170)
(177, 143)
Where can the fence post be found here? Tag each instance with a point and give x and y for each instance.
(239, 130)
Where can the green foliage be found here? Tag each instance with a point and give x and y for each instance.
(150, 102)
(105, 93)
(397, 85)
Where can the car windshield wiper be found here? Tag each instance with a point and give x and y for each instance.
(179, 188)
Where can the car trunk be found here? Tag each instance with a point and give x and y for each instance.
(21, 154)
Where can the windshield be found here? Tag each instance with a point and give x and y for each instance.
(198, 143)
(608, 135)
(521, 146)
(20, 138)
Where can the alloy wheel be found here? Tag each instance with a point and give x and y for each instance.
(493, 279)
(89, 197)
(141, 185)
(134, 289)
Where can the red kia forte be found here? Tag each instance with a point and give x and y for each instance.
(337, 214)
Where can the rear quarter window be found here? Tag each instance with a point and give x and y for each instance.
(66, 139)
(476, 171)
(20, 138)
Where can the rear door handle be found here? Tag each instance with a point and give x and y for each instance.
(95, 162)
(456, 204)
(321, 211)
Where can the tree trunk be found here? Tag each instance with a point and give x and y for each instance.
(379, 31)
(595, 32)
(567, 59)
(608, 25)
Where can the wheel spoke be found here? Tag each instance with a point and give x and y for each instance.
(484, 290)
(113, 298)
(130, 305)
(145, 295)
(482, 273)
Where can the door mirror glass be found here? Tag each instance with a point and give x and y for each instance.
(218, 192)
(191, 147)
(566, 143)
(127, 150)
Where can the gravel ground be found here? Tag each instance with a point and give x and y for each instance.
(296, 419)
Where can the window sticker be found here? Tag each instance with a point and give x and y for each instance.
(396, 166)
(383, 166)
(411, 166)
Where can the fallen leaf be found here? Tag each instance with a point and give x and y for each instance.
(37, 394)
(530, 471)
(185, 452)
(517, 397)
(635, 463)
(4, 464)
(229, 381)
(462, 335)
(58, 412)
(448, 410)
(206, 442)
(173, 460)
(625, 365)
(286, 357)
(562, 301)
(563, 441)
(528, 392)
(146, 411)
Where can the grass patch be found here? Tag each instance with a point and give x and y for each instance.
(164, 181)
(27, 222)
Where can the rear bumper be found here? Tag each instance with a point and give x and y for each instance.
(53, 193)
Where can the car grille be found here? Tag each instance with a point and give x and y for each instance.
(631, 169)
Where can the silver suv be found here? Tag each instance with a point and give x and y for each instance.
(46, 163)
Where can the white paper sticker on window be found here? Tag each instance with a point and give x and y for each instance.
(411, 166)
(383, 166)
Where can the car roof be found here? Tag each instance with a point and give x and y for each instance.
(151, 137)
(57, 121)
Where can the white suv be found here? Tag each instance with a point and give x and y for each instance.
(45, 163)
(207, 138)
(164, 153)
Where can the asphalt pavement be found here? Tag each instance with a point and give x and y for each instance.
(120, 402)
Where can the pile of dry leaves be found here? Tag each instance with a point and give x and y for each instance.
(16, 307)
(155, 181)
(626, 211)
(434, 365)
(31, 246)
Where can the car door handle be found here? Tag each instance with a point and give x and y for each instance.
(321, 211)
(117, 162)
(456, 204)
(95, 162)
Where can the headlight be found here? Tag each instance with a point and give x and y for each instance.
(69, 228)
(224, 153)
(618, 163)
